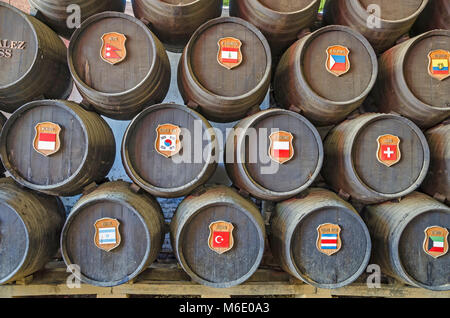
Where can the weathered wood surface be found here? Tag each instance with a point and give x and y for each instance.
(436, 15)
(404, 85)
(247, 158)
(437, 182)
(351, 165)
(175, 176)
(86, 154)
(2, 123)
(220, 94)
(294, 235)
(382, 27)
(30, 224)
(397, 230)
(141, 229)
(302, 80)
(119, 91)
(33, 61)
(190, 232)
(57, 13)
(281, 22)
(174, 21)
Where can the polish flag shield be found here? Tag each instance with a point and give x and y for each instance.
(221, 237)
(281, 149)
(47, 141)
(338, 62)
(113, 49)
(230, 55)
(388, 152)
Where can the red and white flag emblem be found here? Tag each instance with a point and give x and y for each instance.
(221, 236)
(230, 55)
(388, 152)
(46, 140)
(281, 149)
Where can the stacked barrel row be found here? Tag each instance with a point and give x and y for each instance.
(217, 233)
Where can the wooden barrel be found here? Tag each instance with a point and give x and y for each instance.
(119, 90)
(381, 22)
(314, 89)
(255, 168)
(280, 21)
(30, 225)
(219, 93)
(218, 237)
(320, 239)
(136, 225)
(406, 87)
(57, 13)
(401, 244)
(436, 15)
(375, 157)
(32, 61)
(437, 182)
(169, 173)
(2, 123)
(57, 147)
(174, 21)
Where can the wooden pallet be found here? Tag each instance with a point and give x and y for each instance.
(170, 280)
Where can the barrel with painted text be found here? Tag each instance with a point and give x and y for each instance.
(59, 14)
(169, 150)
(30, 225)
(320, 239)
(225, 70)
(414, 79)
(57, 147)
(437, 182)
(339, 69)
(381, 22)
(218, 236)
(274, 154)
(32, 61)
(410, 240)
(118, 65)
(113, 234)
(375, 157)
(280, 21)
(174, 21)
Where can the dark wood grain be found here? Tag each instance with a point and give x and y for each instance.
(435, 16)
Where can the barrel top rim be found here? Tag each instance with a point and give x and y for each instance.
(37, 49)
(287, 13)
(98, 17)
(186, 57)
(301, 44)
(130, 170)
(252, 120)
(364, 14)
(64, 104)
(412, 42)
(170, 5)
(373, 117)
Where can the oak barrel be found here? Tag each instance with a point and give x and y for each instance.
(405, 86)
(32, 60)
(375, 157)
(58, 13)
(436, 15)
(174, 21)
(303, 80)
(137, 240)
(314, 255)
(30, 225)
(381, 22)
(2, 123)
(251, 167)
(219, 93)
(280, 21)
(57, 161)
(437, 182)
(120, 90)
(400, 243)
(191, 232)
(166, 174)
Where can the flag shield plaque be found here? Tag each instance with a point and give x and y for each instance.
(388, 151)
(436, 241)
(47, 141)
(230, 54)
(167, 141)
(338, 62)
(438, 63)
(113, 49)
(281, 149)
(328, 238)
(107, 235)
(221, 237)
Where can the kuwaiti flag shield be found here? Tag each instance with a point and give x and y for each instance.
(338, 62)
(436, 241)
